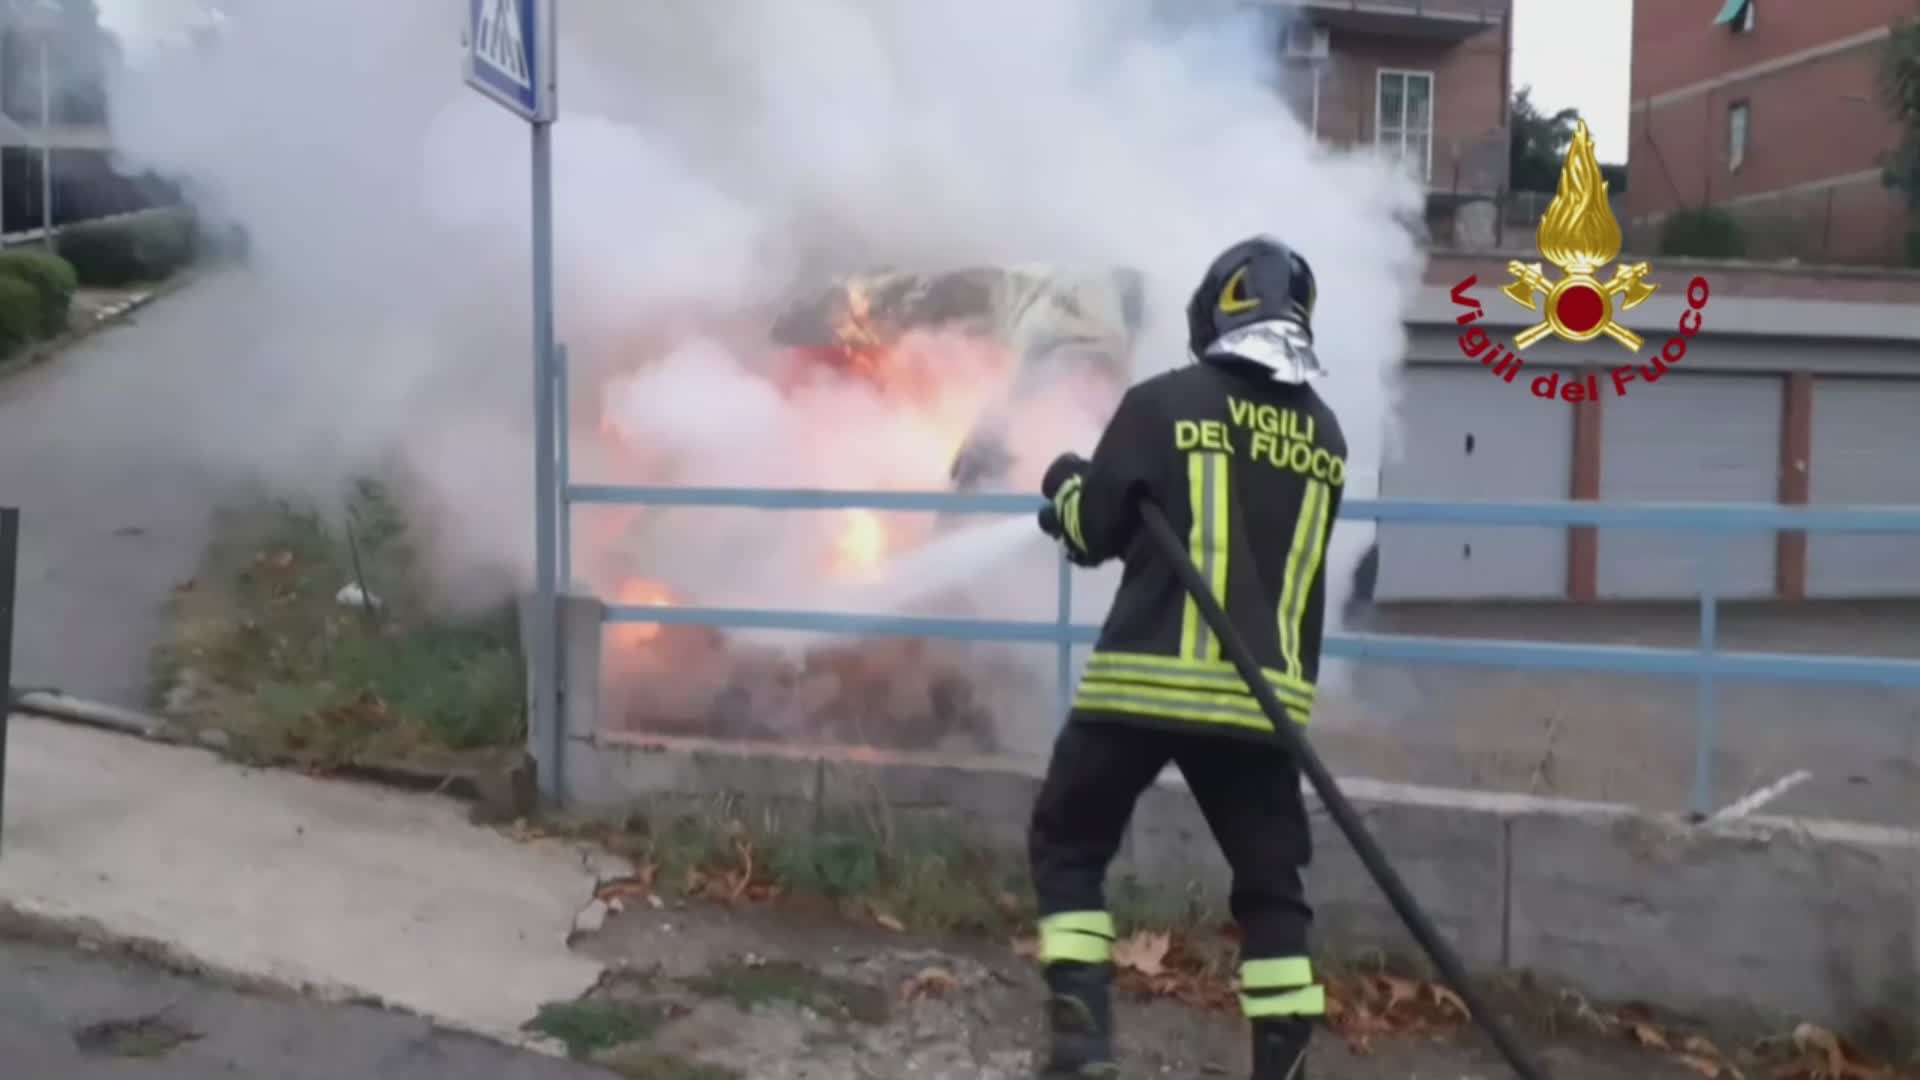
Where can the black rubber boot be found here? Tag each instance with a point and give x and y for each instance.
(1280, 1049)
(1080, 1018)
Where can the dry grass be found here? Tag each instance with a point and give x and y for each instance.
(261, 650)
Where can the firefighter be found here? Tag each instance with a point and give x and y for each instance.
(1247, 462)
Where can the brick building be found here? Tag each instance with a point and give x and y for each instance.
(1768, 109)
(1429, 78)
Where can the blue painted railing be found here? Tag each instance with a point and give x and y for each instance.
(1706, 664)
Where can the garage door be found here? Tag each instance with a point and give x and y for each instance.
(1466, 436)
(1699, 438)
(1865, 451)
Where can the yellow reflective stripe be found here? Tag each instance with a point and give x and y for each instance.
(1242, 703)
(1311, 1001)
(1124, 668)
(1080, 922)
(1207, 544)
(1132, 704)
(1084, 937)
(1066, 506)
(1169, 669)
(1303, 563)
(1234, 700)
(1282, 973)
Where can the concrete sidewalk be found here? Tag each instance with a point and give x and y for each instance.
(337, 888)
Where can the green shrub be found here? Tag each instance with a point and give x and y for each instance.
(53, 280)
(1702, 232)
(111, 254)
(20, 319)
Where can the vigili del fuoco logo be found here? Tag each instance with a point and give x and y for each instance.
(1578, 234)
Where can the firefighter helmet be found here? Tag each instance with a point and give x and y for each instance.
(1255, 305)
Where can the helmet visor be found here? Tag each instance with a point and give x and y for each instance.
(1281, 346)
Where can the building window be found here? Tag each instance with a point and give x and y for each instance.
(1737, 124)
(1736, 135)
(1404, 120)
(1737, 15)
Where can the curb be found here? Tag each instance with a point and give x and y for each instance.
(63, 708)
(109, 317)
(33, 923)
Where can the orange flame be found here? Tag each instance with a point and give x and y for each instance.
(1578, 231)
(640, 592)
(861, 545)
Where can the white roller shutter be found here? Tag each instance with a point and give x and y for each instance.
(1466, 435)
(1690, 438)
(1865, 452)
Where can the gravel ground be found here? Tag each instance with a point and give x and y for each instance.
(777, 995)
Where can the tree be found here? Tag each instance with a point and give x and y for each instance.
(1900, 90)
(1540, 144)
(81, 52)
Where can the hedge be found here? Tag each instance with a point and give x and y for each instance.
(111, 254)
(1702, 233)
(20, 315)
(53, 281)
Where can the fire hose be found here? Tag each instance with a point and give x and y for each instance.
(1338, 807)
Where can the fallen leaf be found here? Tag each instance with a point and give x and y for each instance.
(1397, 991)
(1706, 1067)
(1143, 952)
(1448, 1001)
(929, 982)
(1648, 1036)
(1812, 1039)
(1699, 1046)
(889, 922)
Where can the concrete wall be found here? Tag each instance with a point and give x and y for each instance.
(1767, 919)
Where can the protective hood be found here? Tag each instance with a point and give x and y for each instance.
(1282, 346)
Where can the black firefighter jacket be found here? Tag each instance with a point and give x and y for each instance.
(1251, 472)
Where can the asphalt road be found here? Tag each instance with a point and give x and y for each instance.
(72, 1015)
(94, 450)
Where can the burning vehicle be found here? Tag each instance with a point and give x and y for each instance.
(1068, 337)
(981, 364)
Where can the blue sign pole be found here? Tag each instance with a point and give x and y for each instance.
(510, 58)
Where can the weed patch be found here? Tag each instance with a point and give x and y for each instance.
(597, 1024)
(747, 983)
(263, 648)
(143, 1037)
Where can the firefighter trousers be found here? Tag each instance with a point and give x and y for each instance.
(1250, 797)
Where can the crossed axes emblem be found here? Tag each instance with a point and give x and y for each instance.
(1628, 282)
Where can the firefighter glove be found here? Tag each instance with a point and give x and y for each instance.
(1050, 521)
(1064, 468)
(1060, 517)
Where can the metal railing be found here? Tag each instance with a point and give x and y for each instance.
(1706, 664)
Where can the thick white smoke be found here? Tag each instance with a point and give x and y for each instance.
(709, 157)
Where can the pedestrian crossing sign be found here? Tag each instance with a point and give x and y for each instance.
(510, 55)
